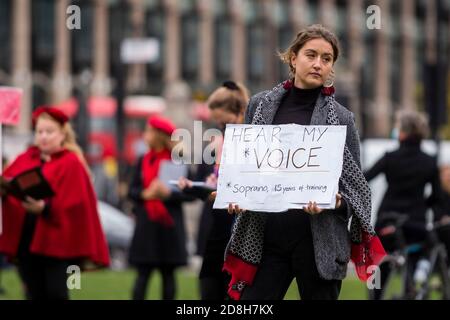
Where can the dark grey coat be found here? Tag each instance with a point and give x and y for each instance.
(153, 244)
(331, 238)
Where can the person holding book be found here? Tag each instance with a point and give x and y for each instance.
(50, 210)
(159, 237)
(227, 105)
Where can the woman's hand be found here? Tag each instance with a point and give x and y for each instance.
(184, 183)
(445, 220)
(33, 206)
(162, 191)
(211, 180)
(149, 193)
(313, 208)
(156, 190)
(338, 200)
(234, 209)
(212, 196)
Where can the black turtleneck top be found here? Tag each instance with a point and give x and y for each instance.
(297, 106)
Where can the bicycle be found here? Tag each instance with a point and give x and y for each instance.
(402, 282)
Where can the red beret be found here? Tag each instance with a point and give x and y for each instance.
(163, 124)
(56, 114)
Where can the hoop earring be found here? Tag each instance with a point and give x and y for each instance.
(330, 81)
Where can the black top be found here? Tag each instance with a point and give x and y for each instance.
(215, 224)
(28, 227)
(214, 228)
(154, 244)
(407, 170)
(297, 106)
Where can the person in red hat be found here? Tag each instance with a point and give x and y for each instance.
(44, 237)
(159, 237)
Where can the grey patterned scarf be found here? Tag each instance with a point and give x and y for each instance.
(247, 237)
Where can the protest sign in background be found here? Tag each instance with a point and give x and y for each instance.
(10, 99)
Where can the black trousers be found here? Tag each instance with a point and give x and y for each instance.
(288, 254)
(214, 282)
(168, 281)
(45, 278)
(214, 286)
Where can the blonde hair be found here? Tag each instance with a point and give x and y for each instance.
(234, 99)
(315, 31)
(70, 139)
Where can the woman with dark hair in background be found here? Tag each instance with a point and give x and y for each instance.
(227, 105)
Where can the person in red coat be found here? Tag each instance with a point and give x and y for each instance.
(44, 237)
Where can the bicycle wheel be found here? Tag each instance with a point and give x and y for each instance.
(437, 286)
(392, 286)
(397, 288)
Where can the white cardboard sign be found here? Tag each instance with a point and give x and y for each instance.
(273, 168)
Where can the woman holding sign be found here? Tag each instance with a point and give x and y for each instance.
(267, 251)
(227, 105)
(61, 226)
(159, 236)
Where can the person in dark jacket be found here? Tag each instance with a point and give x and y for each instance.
(408, 170)
(227, 104)
(159, 237)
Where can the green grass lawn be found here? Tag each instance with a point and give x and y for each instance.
(117, 285)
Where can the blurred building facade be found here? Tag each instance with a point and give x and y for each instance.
(204, 42)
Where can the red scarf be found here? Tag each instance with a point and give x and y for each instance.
(156, 210)
(366, 255)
